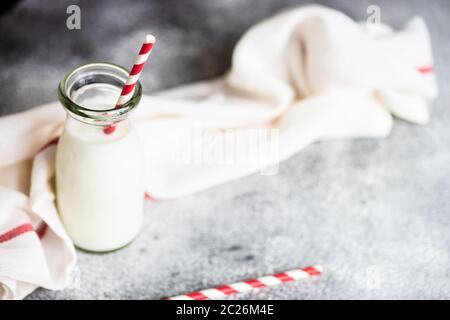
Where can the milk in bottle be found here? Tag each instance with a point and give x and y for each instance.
(99, 182)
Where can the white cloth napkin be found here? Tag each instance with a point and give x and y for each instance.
(304, 75)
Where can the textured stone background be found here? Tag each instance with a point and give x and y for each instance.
(374, 213)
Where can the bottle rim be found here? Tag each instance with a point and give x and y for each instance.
(94, 115)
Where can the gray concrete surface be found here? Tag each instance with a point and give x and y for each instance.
(374, 213)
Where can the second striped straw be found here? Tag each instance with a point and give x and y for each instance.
(252, 284)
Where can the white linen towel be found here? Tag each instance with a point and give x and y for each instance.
(309, 74)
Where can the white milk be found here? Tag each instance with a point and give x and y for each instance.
(100, 191)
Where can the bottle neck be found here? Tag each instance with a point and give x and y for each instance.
(95, 133)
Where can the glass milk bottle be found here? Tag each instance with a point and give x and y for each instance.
(99, 186)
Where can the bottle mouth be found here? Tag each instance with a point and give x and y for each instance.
(99, 75)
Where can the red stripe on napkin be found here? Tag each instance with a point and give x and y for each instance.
(425, 69)
(147, 196)
(15, 232)
(41, 230)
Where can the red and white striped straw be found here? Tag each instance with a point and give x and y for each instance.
(133, 77)
(248, 285)
(138, 66)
